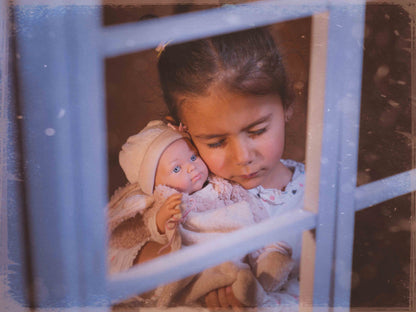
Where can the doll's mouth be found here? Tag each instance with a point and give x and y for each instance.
(196, 178)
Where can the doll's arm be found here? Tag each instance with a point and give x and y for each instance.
(167, 211)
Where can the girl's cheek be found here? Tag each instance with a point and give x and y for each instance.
(210, 157)
(216, 163)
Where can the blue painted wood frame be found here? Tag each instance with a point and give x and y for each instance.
(60, 66)
(64, 145)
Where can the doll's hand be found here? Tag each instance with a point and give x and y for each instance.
(167, 211)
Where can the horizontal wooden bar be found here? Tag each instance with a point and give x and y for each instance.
(376, 192)
(133, 37)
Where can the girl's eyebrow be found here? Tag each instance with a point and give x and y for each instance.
(255, 123)
(208, 136)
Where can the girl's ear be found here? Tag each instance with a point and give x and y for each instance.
(288, 113)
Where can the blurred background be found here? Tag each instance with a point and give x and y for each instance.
(381, 264)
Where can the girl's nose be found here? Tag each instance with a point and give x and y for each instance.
(242, 152)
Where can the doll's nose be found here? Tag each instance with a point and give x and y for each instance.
(191, 168)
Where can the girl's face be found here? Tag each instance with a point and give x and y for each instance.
(181, 168)
(240, 137)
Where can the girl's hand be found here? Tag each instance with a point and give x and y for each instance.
(222, 298)
(168, 209)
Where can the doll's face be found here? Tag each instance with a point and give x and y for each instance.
(181, 168)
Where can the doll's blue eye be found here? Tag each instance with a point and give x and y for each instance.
(193, 157)
(176, 169)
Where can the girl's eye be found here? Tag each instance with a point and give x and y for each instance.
(220, 143)
(257, 132)
(193, 157)
(176, 169)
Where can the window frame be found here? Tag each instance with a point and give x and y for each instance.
(56, 212)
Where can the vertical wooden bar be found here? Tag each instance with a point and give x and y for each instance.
(61, 81)
(349, 36)
(337, 162)
(325, 228)
(43, 80)
(5, 104)
(316, 101)
(412, 278)
(90, 136)
(14, 264)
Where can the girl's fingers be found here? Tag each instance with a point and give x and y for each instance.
(232, 300)
(227, 299)
(222, 298)
(211, 300)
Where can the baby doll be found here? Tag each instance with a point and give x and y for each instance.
(167, 167)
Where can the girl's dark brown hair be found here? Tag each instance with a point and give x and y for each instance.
(245, 62)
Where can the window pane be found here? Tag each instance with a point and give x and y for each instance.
(381, 258)
(385, 130)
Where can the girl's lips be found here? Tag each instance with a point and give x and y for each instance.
(250, 176)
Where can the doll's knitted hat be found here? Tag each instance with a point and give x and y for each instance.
(140, 155)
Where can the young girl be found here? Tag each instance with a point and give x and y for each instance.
(231, 93)
(161, 162)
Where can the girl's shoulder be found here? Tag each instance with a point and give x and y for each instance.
(296, 187)
(297, 168)
(293, 164)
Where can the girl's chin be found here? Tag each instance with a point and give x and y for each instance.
(249, 183)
